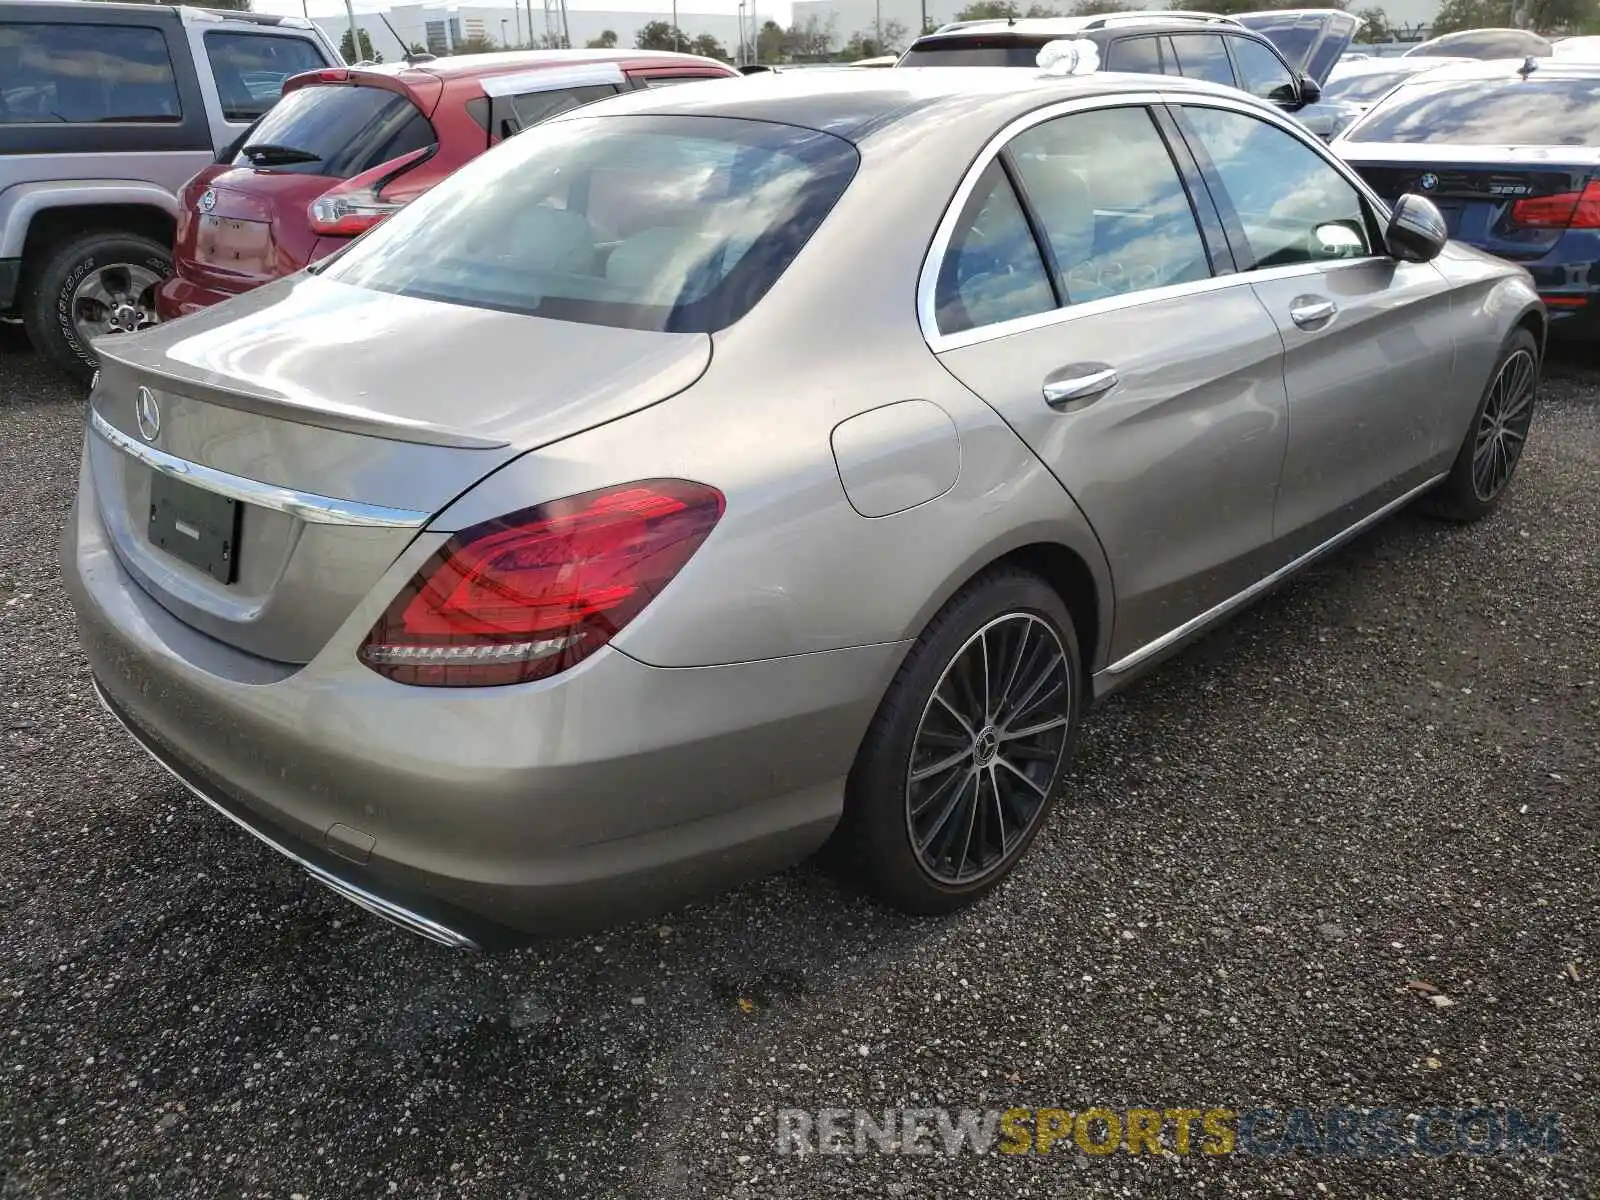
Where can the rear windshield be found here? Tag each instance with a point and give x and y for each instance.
(1489, 112)
(645, 222)
(336, 130)
(1483, 43)
(976, 51)
(1365, 87)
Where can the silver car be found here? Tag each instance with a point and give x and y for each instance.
(718, 472)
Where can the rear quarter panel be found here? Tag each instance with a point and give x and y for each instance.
(793, 567)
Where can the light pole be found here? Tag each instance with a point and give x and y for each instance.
(505, 42)
(877, 26)
(355, 34)
(675, 44)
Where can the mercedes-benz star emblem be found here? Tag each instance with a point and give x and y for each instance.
(208, 201)
(1428, 182)
(149, 414)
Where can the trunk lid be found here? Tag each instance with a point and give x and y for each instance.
(1477, 188)
(344, 418)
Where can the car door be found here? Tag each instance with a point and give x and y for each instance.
(1076, 293)
(1368, 343)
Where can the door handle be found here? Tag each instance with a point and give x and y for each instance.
(1308, 312)
(1079, 382)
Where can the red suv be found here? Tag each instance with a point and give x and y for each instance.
(346, 146)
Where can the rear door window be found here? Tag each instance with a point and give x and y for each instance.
(655, 81)
(512, 114)
(85, 74)
(1111, 203)
(250, 68)
(1141, 55)
(1203, 56)
(336, 130)
(992, 270)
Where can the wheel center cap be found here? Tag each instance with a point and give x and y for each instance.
(124, 318)
(987, 747)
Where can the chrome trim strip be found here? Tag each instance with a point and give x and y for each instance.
(1216, 613)
(307, 506)
(377, 905)
(927, 281)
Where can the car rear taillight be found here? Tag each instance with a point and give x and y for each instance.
(357, 204)
(1565, 210)
(526, 596)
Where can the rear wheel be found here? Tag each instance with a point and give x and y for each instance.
(91, 286)
(1493, 446)
(963, 759)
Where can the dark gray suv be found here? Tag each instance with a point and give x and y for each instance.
(1285, 62)
(106, 110)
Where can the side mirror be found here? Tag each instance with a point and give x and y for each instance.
(1417, 231)
(1310, 90)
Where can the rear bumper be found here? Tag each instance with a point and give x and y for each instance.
(178, 297)
(614, 791)
(1573, 314)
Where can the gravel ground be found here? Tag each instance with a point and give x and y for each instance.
(1389, 771)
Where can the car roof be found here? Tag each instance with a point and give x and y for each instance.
(474, 66)
(1077, 26)
(857, 104)
(1390, 63)
(66, 9)
(1506, 68)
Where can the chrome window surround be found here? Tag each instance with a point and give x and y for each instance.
(306, 506)
(927, 281)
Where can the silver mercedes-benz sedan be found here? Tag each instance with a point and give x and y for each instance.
(720, 471)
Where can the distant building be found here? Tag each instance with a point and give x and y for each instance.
(440, 28)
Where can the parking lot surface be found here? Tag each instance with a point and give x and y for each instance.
(1387, 772)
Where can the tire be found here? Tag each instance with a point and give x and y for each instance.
(1002, 617)
(1512, 388)
(54, 287)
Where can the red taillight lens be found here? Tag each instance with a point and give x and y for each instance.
(357, 204)
(528, 595)
(1565, 210)
(346, 213)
